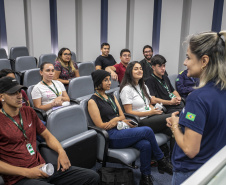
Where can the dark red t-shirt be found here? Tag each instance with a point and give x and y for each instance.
(13, 148)
(120, 71)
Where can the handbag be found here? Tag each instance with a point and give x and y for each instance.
(116, 176)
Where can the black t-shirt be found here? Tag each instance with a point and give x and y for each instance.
(156, 89)
(105, 61)
(106, 111)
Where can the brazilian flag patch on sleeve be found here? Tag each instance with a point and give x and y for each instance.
(177, 79)
(190, 116)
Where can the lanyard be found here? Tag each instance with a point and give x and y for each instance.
(56, 92)
(111, 102)
(171, 95)
(142, 96)
(21, 122)
(164, 85)
(148, 63)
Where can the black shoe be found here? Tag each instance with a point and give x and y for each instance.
(146, 180)
(165, 166)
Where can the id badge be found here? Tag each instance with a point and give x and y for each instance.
(146, 108)
(171, 95)
(30, 149)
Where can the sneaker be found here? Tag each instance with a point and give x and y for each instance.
(165, 166)
(146, 180)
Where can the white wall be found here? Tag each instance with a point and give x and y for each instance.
(143, 26)
(170, 33)
(201, 16)
(91, 29)
(40, 23)
(223, 25)
(66, 21)
(15, 24)
(117, 11)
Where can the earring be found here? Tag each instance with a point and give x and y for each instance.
(3, 100)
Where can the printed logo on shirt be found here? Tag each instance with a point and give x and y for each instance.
(30, 124)
(177, 79)
(190, 116)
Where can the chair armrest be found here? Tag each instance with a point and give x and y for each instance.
(132, 116)
(74, 101)
(41, 112)
(102, 137)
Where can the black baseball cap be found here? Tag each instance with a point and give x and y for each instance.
(9, 85)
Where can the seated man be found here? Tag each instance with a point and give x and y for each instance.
(20, 162)
(184, 84)
(105, 59)
(160, 88)
(118, 70)
(146, 62)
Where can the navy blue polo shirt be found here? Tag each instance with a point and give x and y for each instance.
(204, 113)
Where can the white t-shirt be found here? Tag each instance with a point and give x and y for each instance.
(47, 95)
(129, 95)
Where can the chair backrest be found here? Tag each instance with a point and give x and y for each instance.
(47, 58)
(63, 123)
(24, 63)
(5, 64)
(29, 90)
(3, 53)
(73, 56)
(86, 68)
(114, 84)
(80, 86)
(172, 79)
(117, 95)
(18, 52)
(31, 77)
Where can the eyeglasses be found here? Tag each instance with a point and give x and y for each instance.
(126, 56)
(148, 51)
(67, 54)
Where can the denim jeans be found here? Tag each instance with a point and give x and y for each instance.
(179, 177)
(141, 138)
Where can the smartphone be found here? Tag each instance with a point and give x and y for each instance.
(133, 122)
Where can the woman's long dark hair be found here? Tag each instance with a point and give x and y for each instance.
(129, 80)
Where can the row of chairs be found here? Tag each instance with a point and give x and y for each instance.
(26, 66)
(23, 51)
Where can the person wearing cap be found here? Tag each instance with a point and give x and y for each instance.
(49, 94)
(11, 73)
(20, 162)
(106, 113)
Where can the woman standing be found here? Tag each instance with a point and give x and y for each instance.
(201, 128)
(65, 68)
(136, 100)
(106, 112)
(49, 94)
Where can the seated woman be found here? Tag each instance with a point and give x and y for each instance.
(49, 94)
(136, 100)
(11, 73)
(106, 112)
(65, 68)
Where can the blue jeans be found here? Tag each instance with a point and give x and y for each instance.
(141, 138)
(179, 177)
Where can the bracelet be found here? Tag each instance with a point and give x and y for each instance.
(174, 127)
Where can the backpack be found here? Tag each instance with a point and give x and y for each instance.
(116, 176)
